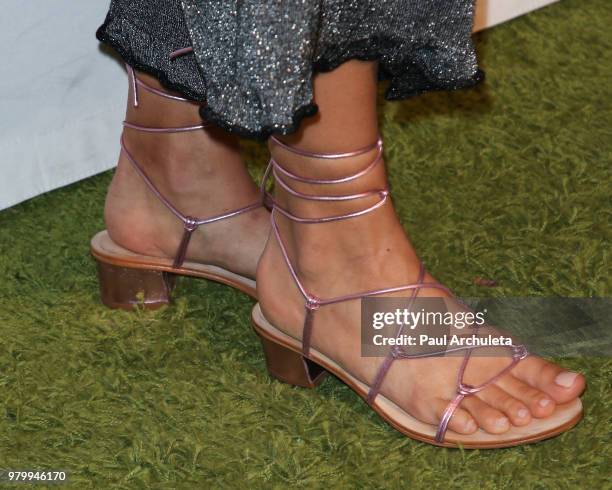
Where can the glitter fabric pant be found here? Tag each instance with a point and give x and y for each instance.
(253, 60)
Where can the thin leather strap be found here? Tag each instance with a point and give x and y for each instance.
(137, 82)
(274, 168)
(326, 156)
(348, 197)
(190, 223)
(181, 52)
(313, 303)
(519, 352)
(148, 129)
(379, 150)
(391, 356)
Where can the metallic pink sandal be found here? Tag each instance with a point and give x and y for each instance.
(127, 278)
(295, 361)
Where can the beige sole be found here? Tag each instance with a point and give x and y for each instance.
(564, 417)
(105, 250)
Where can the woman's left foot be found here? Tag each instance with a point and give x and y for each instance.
(369, 252)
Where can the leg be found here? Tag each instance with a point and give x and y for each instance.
(373, 252)
(200, 172)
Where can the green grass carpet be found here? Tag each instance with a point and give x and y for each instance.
(519, 169)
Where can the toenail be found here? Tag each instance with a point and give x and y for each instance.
(566, 379)
(470, 426)
(544, 402)
(523, 412)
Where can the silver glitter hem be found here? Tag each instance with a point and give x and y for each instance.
(254, 60)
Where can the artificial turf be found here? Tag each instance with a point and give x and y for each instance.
(518, 170)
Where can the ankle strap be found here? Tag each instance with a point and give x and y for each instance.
(275, 169)
(312, 302)
(190, 223)
(326, 156)
(136, 82)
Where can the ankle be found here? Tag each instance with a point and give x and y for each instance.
(366, 244)
(198, 172)
(167, 139)
(357, 233)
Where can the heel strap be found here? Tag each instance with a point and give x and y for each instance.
(190, 223)
(313, 303)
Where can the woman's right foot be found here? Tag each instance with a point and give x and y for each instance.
(371, 252)
(201, 173)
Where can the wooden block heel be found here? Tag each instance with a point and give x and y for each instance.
(126, 287)
(291, 367)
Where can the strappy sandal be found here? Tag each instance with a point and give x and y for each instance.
(296, 362)
(127, 278)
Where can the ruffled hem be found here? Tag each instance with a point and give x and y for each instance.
(420, 81)
(364, 51)
(102, 34)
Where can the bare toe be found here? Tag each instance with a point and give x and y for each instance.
(514, 409)
(539, 403)
(487, 417)
(461, 421)
(562, 385)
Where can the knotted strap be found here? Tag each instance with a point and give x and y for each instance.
(312, 303)
(190, 223)
(519, 352)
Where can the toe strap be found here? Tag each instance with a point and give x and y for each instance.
(519, 352)
(446, 416)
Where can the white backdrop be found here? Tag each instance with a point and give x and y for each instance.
(62, 98)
